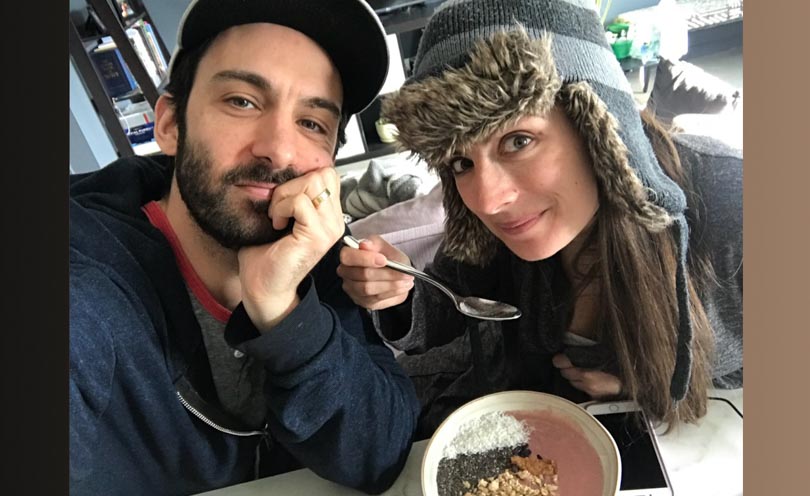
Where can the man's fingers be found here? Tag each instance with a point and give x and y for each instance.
(298, 207)
(311, 184)
(305, 197)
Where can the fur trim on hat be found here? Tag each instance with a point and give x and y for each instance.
(508, 76)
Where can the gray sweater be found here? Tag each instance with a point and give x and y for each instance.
(517, 354)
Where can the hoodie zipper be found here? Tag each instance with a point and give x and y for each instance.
(264, 433)
(215, 426)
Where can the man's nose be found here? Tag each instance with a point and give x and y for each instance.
(276, 141)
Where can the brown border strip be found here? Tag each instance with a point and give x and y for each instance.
(777, 270)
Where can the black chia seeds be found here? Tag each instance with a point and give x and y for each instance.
(480, 448)
(452, 473)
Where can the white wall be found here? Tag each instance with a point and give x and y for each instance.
(90, 146)
(619, 6)
(166, 15)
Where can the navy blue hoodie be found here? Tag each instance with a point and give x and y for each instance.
(144, 414)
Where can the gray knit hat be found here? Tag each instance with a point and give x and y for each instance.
(483, 64)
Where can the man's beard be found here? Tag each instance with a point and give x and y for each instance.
(230, 224)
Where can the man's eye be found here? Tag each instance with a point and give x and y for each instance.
(460, 165)
(242, 103)
(312, 126)
(516, 142)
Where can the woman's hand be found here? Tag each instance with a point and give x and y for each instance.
(366, 279)
(597, 384)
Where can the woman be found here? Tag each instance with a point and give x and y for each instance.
(622, 246)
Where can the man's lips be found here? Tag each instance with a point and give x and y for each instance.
(261, 191)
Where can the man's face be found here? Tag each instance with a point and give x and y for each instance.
(264, 108)
(205, 197)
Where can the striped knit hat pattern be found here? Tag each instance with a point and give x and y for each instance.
(481, 65)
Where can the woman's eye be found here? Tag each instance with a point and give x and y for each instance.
(242, 103)
(516, 142)
(460, 165)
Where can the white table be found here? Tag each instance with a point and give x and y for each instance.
(707, 458)
(702, 460)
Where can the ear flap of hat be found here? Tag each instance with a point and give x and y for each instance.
(611, 163)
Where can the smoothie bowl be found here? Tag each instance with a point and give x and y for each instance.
(523, 443)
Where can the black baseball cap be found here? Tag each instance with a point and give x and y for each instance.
(348, 30)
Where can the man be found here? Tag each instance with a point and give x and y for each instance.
(211, 341)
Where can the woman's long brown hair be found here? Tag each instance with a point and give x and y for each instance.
(638, 309)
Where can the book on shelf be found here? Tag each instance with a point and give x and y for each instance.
(152, 44)
(114, 73)
(136, 37)
(154, 68)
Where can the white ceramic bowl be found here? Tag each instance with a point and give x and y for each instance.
(523, 401)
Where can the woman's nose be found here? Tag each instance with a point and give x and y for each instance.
(490, 190)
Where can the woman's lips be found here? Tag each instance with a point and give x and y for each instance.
(519, 226)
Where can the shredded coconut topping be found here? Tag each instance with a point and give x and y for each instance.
(490, 431)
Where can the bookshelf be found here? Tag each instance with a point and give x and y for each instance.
(122, 62)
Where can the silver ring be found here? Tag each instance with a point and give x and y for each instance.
(316, 202)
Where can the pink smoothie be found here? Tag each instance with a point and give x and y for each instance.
(555, 437)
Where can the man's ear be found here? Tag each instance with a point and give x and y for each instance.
(166, 133)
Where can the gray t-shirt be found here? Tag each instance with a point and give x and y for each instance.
(238, 378)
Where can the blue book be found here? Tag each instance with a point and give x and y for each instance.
(155, 46)
(114, 72)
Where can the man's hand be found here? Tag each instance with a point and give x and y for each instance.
(270, 274)
(597, 384)
(366, 279)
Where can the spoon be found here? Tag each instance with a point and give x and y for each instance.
(471, 306)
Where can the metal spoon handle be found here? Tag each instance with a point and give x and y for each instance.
(407, 269)
(353, 242)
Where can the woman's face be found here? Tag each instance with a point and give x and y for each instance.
(532, 184)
